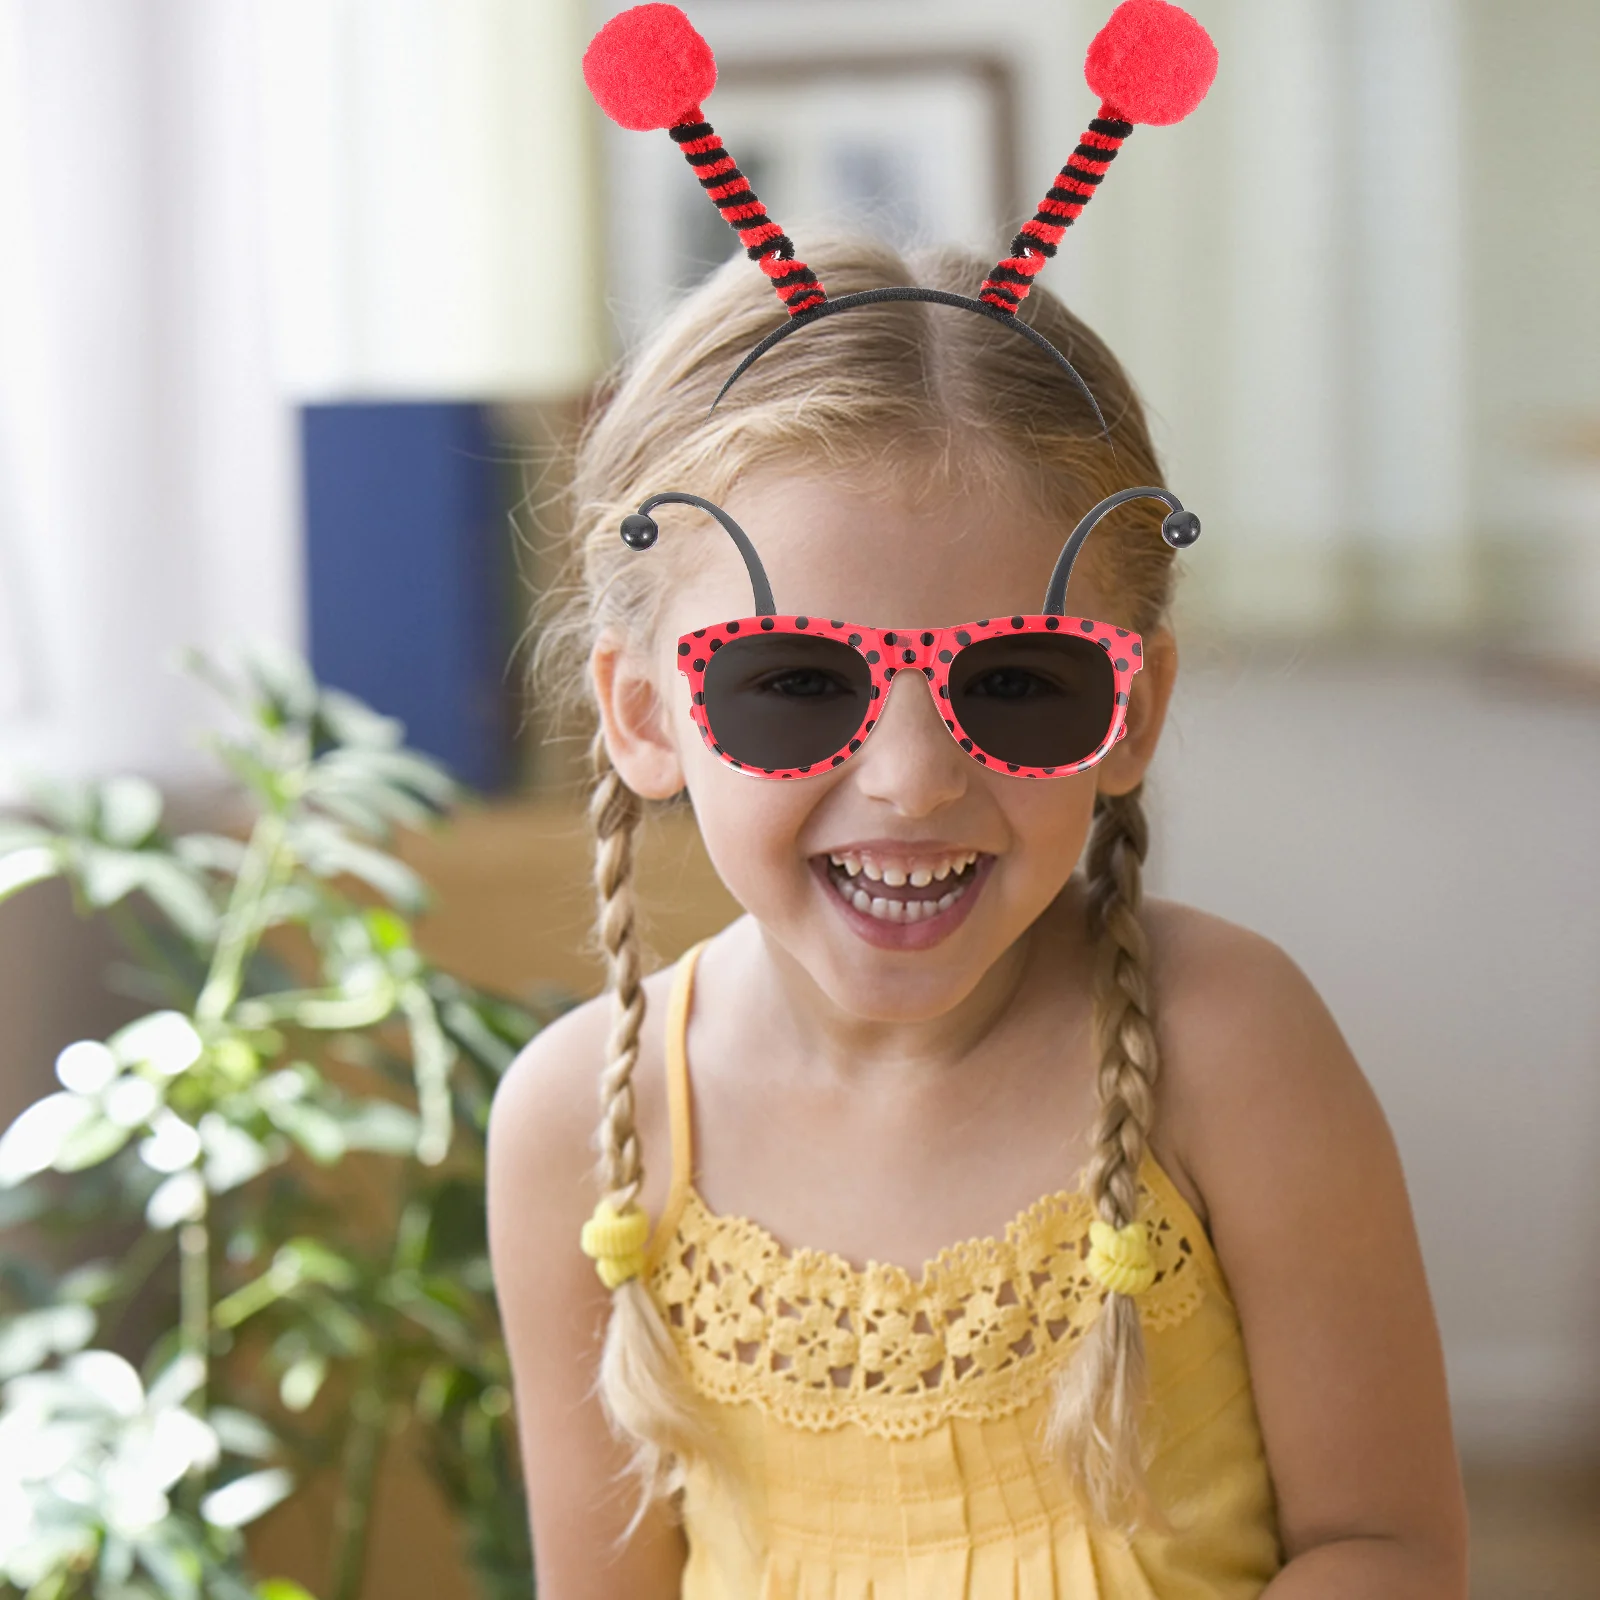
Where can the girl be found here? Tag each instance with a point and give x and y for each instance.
(1186, 1348)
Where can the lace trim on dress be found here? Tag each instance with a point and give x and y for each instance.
(817, 1343)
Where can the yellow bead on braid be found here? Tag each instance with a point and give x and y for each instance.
(1119, 1258)
(615, 1241)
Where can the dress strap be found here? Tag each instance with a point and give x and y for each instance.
(679, 1113)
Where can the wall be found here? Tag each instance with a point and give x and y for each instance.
(1446, 902)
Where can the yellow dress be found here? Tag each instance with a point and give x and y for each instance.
(885, 1429)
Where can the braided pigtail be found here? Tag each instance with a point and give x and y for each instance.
(642, 1383)
(1093, 1426)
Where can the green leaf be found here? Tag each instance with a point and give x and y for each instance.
(282, 1589)
(92, 1284)
(353, 722)
(70, 806)
(180, 1198)
(16, 834)
(232, 1156)
(30, 865)
(282, 679)
(329, 853)
(29, 1340)
(380, 1126)
(241, 1434)
(246, 1498)
(347, 1333)
(313, 1262)
(210, 852)
(433, 1056)
(166, 1041)
(302, 1382)
(177, 1571)
(36, 1138)
(129, 811)
(473, 1034)
(412, 770)
(354, 811)
(90, 1143)
(109, 876)
(316, 1131)
(180, 895)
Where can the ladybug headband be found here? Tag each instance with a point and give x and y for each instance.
(649, 68)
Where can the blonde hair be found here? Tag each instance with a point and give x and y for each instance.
(872, 390)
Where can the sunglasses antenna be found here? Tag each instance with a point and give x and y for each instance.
(1180, 529)
(639, 531)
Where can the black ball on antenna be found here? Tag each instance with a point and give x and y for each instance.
(639, 531)
(1179, 528)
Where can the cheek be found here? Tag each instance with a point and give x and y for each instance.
(751, 827)
(1051, 818)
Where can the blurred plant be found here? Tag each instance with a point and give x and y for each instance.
(297, 1029)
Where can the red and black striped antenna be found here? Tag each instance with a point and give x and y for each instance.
(1151, 63)
(649, 68)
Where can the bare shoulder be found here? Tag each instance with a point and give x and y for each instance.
(1307, 1207)
(544, 1109)
(1249, 1050)
(554, 1309)
(542, 1127)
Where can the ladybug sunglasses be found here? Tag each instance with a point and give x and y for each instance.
(1036, 696)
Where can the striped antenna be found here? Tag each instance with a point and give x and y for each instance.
(649, 68)
(1151, 63)
(764, 241)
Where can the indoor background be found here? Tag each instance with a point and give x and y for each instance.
(299, 299)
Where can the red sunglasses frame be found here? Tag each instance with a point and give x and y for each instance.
(931, 652)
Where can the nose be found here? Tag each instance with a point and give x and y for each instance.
(909, 760)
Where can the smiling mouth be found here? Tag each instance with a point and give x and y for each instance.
(901, 895)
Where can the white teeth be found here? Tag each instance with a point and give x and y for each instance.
(886, 909)
(898, 876)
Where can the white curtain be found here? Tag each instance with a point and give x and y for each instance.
(146, 471)
(211, 209)
(432, 197)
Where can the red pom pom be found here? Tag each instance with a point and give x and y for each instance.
(1152, 62)
(648, 68)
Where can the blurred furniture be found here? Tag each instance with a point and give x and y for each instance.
(411, 595)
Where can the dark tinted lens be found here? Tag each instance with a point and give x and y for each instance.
(783, 700)
(1034, 699)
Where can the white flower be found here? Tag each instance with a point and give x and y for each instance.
(173, 1144)
(86, 1067)
(131, 1100)
(165, 1040)
(35, 1139)
(182, 1198)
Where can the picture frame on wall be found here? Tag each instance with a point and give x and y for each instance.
(919, 148)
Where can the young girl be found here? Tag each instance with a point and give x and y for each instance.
(1184, 1346)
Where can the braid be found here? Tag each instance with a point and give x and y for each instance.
(1094, 1423)
(642, 1383)
(615, 816)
